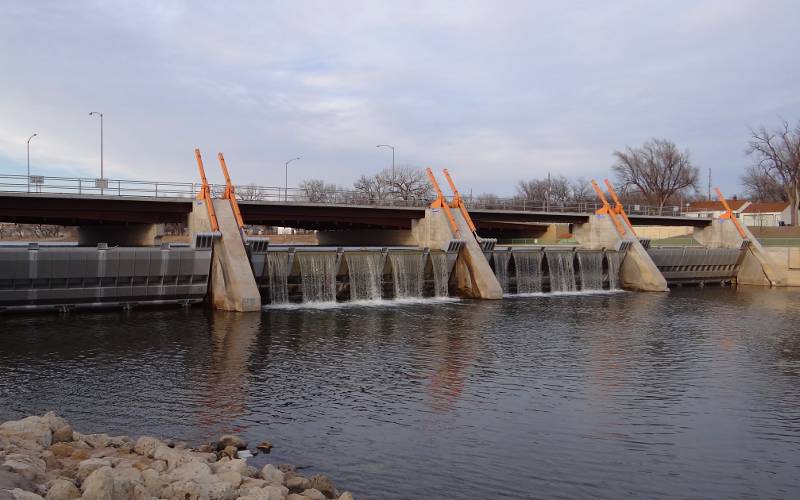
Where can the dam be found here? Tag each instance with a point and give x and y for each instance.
(372, 252)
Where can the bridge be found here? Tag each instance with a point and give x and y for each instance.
(451, 242)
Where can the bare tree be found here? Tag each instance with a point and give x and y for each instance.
(657, 170)
(582, 191)
(759, 186)
(532, 190)
(250, 192)
(319, 191)
(405, 182)
(777, 155)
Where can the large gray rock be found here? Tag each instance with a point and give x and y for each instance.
(297, 484)
(99, 485)
(27, 466)
(126, 478)
(231, 477)
(323, 484)
(313, 494)
(147, 446)
(266, 493)
(61, 489)
(231, 440)
(272, 475)
(238, 465)
(33, 429)
(63, 434)
(19, 494)
(87, 467)
(346, 496)
(97, 440)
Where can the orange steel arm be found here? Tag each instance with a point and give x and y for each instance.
(205, 192)
(729, 214)
(606, 209)
(230, 192)
(618, 208)
(458, 202)
(441, 202)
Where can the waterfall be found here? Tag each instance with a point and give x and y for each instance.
(440, 275)
(591, 268)
(407, 269)
(501, 268)
(562, 273)
(613, 270)
(278, 271)
(529, 271)
(318, 272)
(365, 271)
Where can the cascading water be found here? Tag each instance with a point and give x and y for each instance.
(591, 269)
(440, 274)
(613, 270)
(528, 271)
(562, 273)
(501, 268)
(407, 272)
(278, 271)
(318, 273)
(365, 271)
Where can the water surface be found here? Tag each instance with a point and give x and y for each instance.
(694, 393)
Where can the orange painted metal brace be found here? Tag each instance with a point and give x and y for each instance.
(205, 192)
(458, 202)
(618, 208)
(441, 202)
(729, 214)
(230, 192)
(607, 210)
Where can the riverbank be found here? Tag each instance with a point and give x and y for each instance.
(42, 457)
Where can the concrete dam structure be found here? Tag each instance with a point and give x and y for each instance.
(366, 252)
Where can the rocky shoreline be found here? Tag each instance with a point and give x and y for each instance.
(42, 457)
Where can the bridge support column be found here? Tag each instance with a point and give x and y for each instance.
(474, 277)
(233, 286)
(756, 267)
(637, 271)
(124, 235)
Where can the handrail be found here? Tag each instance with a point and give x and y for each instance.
(205, 192)
(230, 192)
(459, 203)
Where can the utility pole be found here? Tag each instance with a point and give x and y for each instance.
(286, 179)
(709, 184)
(102, 177)
(392, 148)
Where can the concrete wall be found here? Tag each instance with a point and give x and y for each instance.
(474, 277)
(123, 235)
(662, 232)
(233, 286)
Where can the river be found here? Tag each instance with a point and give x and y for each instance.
(694, 393)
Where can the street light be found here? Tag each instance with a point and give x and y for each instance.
(388, 146)
(286, 179)
(101, 147)
(29, 161)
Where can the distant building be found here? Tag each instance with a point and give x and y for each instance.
(770, 213)
(715, 208)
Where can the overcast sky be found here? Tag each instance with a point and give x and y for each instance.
(495, 91)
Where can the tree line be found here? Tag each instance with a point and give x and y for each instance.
(658, 173)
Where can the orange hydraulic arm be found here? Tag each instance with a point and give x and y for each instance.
(458, 202)
(441, 202)
(618, 208)
(205, 192)
(606, 209)
(729, 214)
(230, 192)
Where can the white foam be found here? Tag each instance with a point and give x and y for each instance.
(363, 303)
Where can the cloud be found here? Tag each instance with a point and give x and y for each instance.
(516, 91)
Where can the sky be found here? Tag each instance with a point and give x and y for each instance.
(494, 91)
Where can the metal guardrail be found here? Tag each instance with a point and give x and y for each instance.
(251, 192)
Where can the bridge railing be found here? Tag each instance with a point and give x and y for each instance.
(252, 192)
(105, 187)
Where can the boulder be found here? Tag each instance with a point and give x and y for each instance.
(54, 421)
(63, 434)
(99, 485)
(236, 465)
(231, 477)
(147, 446)
(97, 440)
(264, 446)
(266, 493)
(153, 482)
(324, 485)
(313, 494)
(87, 467)
(230, 452)
(125, 480)
(30, 468)
(174, 458)
(231, 440)
(272, 475)
(19, 494)
(249, 484)
(346, 496)
(61, 489)
(297, 484)
(297, 496)
(33, 429)
(192, 471)
(62, 450)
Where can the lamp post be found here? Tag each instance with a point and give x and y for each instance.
(29, 161)
(286, 179)
(392, 147)
(101, 148)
